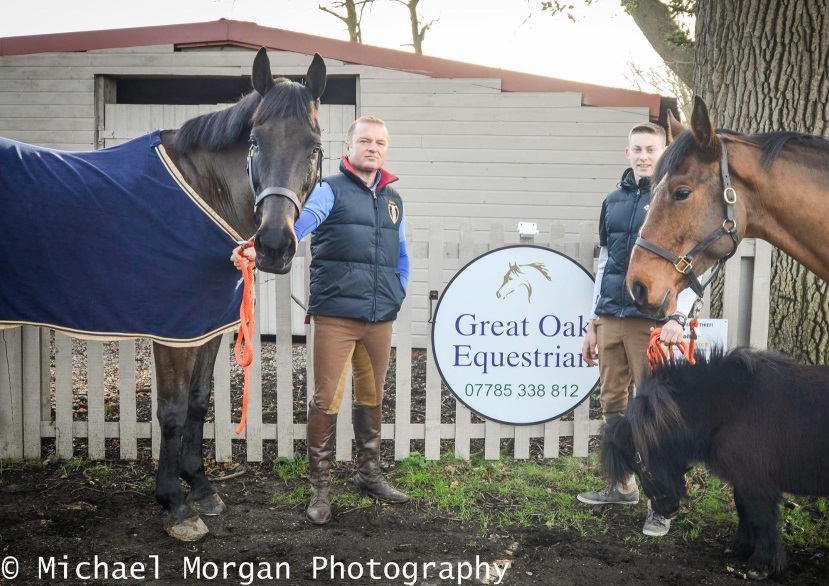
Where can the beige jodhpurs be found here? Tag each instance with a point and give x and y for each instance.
(338, 341)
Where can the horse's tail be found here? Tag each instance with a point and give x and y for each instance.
(618, 450)
(655, 417)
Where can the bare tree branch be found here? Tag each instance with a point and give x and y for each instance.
(658, 25)
(659, 21)
(418, 29)
(352, 19)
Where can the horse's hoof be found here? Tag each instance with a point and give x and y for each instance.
(191, 529)
(758, 574)
(210, 505)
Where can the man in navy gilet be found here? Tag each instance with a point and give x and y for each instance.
(359, 274)
(618, 334)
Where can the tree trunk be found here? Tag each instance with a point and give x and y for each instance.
(763, 65)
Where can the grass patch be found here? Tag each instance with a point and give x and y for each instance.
(504, 493)
(524, 494)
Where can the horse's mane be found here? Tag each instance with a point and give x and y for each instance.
(770, 143)
(655, 413)
(219, 130)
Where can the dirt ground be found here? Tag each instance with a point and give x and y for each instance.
(53, 514)
(47, 515)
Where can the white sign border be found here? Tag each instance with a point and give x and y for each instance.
(435, 319)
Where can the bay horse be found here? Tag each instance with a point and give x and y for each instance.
(250, 168)
(714, 188)
(755, 419)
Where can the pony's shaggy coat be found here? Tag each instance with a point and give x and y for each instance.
(755, 419)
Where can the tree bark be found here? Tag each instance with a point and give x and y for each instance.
(761, 66)
(655, 21)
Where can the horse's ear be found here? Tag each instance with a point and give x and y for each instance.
(702, 127)
(674, 127)
(316, 77)
(262, 78)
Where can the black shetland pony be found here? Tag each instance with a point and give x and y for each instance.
(755, 419)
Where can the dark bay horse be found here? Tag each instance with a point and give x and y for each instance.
(712, 189)
(755, 419)
(253, 165)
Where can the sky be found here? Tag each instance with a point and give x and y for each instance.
(507, 34)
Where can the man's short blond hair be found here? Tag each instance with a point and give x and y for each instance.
(648, 128)
(366, 120)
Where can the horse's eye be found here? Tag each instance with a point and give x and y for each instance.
(317, 150)
(682, 194)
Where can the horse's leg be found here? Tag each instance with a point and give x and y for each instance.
(763, 515)
(174, 370)
(203, 496)
(743, 543)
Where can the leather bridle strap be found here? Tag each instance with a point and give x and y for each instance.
(643, 471)
(685, 264)
(281, 191)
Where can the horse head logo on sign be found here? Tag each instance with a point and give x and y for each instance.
(516, 362)
(516, 278)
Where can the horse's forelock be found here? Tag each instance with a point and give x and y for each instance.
(654, 415)
(288, 99)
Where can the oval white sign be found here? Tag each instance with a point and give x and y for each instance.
(508, 332)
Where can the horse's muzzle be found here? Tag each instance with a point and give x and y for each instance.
(274, 260)
(639, 293)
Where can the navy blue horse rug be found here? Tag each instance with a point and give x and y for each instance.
(112, 244)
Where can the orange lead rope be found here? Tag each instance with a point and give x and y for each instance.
(659, 354)
(244, 354)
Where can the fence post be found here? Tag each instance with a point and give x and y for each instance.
(63, 395)
(492, 429)
(552, 429)
(95, 400)
(433, 381)
(284, 368)
(760, 298)
(223, 431)
(253, 427)
(403, 374)
(581, 415)
(11, 394)
(463, 424)
(32, 377)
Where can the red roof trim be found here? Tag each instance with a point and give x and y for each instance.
(250, 34)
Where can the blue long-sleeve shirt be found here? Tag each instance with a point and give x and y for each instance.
(318, 207)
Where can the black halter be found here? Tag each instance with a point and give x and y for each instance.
(685, 264)
(660, 493)
(283, 191)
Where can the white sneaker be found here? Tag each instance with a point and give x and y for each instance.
(656, 525)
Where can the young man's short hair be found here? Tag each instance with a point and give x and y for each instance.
(367, 120)
(649, 128)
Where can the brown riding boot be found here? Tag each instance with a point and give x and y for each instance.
(321, 430)
(367, 421)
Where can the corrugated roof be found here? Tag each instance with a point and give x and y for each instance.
(249, 34)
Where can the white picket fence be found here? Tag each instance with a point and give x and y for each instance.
(26, 412)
